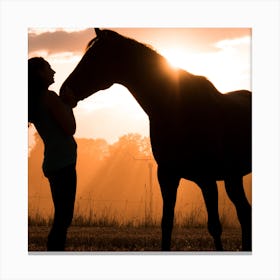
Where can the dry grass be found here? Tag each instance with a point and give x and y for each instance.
(108, 232)
(120, 239)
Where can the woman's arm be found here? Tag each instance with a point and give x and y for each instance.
(62, 113)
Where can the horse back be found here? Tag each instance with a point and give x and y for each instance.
(211, 134)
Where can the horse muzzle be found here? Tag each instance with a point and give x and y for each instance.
(68, 96)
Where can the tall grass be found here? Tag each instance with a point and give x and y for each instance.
(195, 218)
(39, 220)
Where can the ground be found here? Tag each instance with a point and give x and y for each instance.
(127, 239)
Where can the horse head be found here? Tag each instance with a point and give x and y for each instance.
(95, 71)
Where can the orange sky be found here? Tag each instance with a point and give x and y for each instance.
(223, 55)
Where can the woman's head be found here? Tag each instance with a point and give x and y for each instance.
(40, 73)
(40, 77)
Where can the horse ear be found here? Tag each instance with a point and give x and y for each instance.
(97, 31)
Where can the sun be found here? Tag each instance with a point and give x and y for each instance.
(175, 56)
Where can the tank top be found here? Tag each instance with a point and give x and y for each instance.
(60, 149)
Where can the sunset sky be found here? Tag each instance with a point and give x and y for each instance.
(223, 55)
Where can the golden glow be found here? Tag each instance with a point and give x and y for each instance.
(227, 68)
(212, 53)
(175, 57)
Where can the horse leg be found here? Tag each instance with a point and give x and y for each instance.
(235, 191)
(210, 195)
(168, 185)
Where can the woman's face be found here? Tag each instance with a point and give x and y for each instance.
(47, 74)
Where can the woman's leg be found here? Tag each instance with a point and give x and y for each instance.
(63, 189)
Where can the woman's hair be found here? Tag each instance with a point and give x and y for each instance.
(35, 85)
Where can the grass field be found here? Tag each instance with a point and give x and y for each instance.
(136, 239)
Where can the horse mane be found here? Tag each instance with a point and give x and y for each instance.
(199, 84)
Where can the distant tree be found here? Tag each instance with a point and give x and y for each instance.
(111, 172)
(121, 174)
(133, 145)
(39, 197)
(97, 149)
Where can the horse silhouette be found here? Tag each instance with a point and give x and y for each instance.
(196, 132)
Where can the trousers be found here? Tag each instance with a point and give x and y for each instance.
(63, 189)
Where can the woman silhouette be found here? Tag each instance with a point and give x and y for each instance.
(55, 123)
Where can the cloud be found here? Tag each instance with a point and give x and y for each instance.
(207, 39)
(236, 42)
(198, 40)
(59, 40)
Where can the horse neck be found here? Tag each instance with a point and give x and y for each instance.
(148, 81)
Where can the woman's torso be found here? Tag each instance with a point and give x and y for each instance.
(60, 148)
